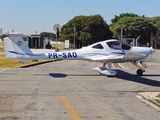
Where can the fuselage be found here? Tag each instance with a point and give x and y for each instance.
(103, 49)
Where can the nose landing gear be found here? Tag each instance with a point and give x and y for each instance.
(141, 70)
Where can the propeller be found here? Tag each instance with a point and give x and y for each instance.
(151, 48)
(151, 52)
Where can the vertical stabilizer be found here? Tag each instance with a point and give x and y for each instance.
(15, 46)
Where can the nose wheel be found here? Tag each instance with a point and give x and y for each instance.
(140, 72)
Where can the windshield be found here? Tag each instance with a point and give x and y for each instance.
(118, 45)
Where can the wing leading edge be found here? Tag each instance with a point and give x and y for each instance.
(100, 57)
(116, 56)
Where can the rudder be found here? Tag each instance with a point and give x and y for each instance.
(15, 46)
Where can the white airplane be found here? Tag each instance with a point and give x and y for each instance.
(105, 52)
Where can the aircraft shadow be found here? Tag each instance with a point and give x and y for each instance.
(57, 75)
(122, 75)
(139, 79)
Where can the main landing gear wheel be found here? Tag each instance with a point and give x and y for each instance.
(140, 72)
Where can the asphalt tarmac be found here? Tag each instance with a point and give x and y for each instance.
(71, 90)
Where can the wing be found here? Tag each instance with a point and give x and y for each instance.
(105, 57)
(134, 56)
(116, 56)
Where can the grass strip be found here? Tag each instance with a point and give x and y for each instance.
(13, 63)
(158, 96)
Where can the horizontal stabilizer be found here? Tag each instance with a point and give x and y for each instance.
(24, 60)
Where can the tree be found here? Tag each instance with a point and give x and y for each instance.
(3, 36)
(48, 35)
(122, 15)
(134, 27)
(89, 29)
(114, 26)
(156, 22)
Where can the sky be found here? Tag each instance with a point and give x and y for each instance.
(29, 16)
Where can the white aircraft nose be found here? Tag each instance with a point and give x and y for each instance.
(152, 50)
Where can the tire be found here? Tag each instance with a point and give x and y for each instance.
(111, 75)
(139, 72)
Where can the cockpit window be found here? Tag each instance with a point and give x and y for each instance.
(118, 45)
(98, 46)
(125, 46)
(114, 45)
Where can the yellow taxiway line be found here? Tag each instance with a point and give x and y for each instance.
(69, 107)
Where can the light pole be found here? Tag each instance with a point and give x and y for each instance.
(74, 36)
(121, 34)
(151, 41)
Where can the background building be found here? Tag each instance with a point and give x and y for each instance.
(1, 31)
(35, 41)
